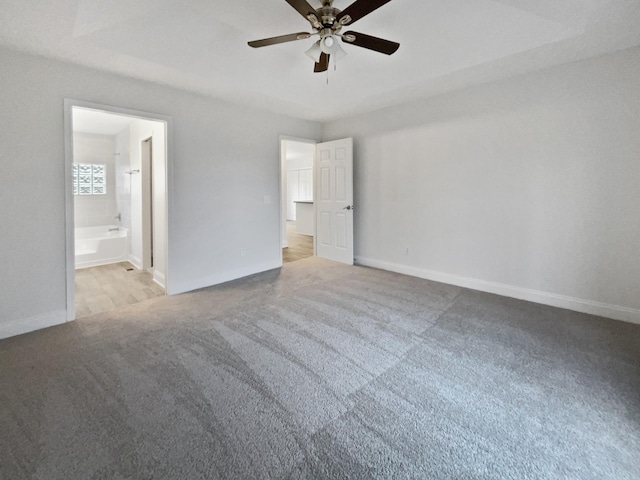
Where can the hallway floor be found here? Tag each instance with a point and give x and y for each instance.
(103, 288)
(300, 246)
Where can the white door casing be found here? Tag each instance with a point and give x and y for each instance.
(334, 200)
(146, 162)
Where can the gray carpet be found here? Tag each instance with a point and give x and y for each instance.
(319, 370)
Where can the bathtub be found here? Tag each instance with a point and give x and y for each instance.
(101, 245)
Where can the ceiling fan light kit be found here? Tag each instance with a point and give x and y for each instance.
(338, 52)
(327, 22)
(327, 43)
(314, 52)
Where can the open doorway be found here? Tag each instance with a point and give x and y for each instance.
(298, 209)
(328, 217)
(116, 208)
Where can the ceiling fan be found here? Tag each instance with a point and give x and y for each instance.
(327, 22)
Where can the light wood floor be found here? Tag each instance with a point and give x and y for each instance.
(100, 289)
(300, 246)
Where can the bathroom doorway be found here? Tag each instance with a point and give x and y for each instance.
(297, 202)
(116, 207)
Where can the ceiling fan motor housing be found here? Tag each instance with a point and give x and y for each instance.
(327, 16)
(327, 23)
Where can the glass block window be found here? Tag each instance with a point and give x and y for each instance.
(89, 179)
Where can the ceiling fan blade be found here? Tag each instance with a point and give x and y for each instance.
(359, 9)
(372, 43)
(281, 39)
(303, 7)
(323, 64)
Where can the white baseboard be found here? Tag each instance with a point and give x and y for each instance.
(615, 312)
(159, 278)
(18, 327)
(135, 261)
(194, 284)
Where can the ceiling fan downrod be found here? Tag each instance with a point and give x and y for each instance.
(330, 17)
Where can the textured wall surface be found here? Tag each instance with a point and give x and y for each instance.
(225, 160)
(526, 187)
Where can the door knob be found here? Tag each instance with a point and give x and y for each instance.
(348, 207)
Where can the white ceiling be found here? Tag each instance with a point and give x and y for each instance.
(97, 122)
(202, 46)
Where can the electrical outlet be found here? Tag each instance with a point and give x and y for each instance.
(406, 251)
(243, 252)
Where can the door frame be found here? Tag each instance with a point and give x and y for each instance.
(69, 104)
(148, 232)
(282, 180)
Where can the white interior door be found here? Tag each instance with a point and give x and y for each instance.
(334, 200)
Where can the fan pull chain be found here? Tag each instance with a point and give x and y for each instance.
(335, 69)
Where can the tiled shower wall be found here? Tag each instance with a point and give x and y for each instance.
(94, 210)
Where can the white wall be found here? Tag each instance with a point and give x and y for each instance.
(225, 161)
(528, 187)
(94, 210)
(123, 183)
